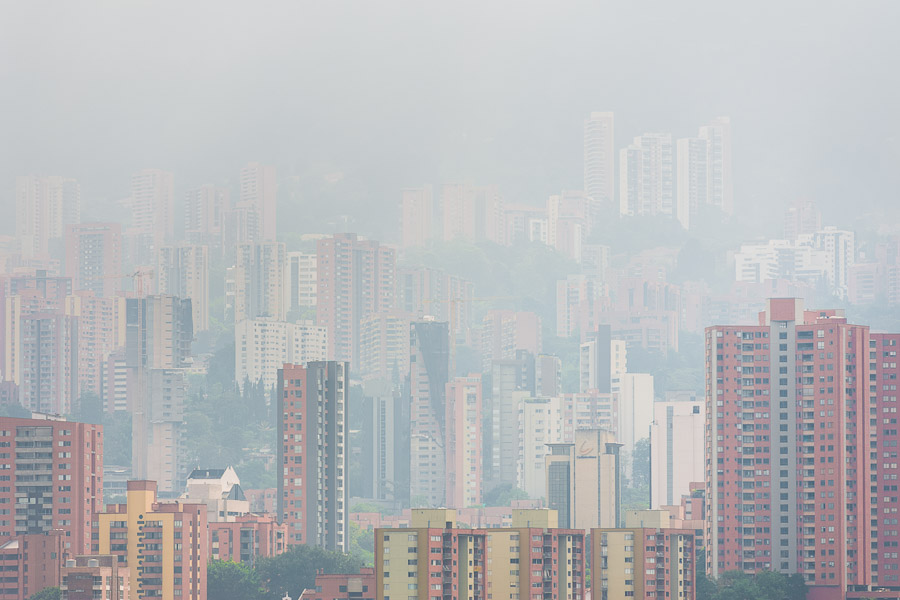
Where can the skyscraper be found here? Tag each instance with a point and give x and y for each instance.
(158, 339)
(205, 212)
(692, 162)
(258, 191)
(795, 413)
(153, 207)
(94, 257)
(676, 450)
(100, 332)
(647, 176)
(429, 366)
(719, 187)
(53, 472)
(355, 279)
(183, 271)
(300, 281)
(599, 160)
(44, 207)
(416, 217)
(463, 445)
(259, 281)
(313, 454)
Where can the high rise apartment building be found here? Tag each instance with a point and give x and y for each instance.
(313, 454)
(599, 160)
(162, 544)
(183, 271)
(463, 442)
(719, 187)
(434, 559)
(356, 278)
(259, 188)
(693, 166)
(386, 442)
(300, 281)
(424, 291)
(94, 257)
(676, 450)
(647, 176)
(53, 472)
(30, 563)
(259, 281)
(799, 436)
(262, 346)
(384, 346)
(158, 338)
(100, 332)
(643, 562)
(471, 213)
(205, 213)
(416, 217)
(44, 207)
(506, 332)
(152, 207)
(429, 367)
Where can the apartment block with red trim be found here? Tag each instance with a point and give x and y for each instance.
(799, 438)
(51, 477)
(313, 453)
(433, 559)
(247, 538)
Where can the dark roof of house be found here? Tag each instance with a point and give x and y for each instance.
(206, 473)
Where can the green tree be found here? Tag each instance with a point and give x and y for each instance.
(89, 409)
(503, 495)
(117, 438)
(295, 570)
(765, 585)
(227, 580)
(50, 593)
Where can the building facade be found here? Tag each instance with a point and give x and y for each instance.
(54, 478)
(162, 544)
(313, 454)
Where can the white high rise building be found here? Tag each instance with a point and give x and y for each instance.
(153, 207)
(677, 451)
(258, 193)
(692, 179)
(44, 207)
(599, 159)
(647, 176)
(262, 346)
(718, 150)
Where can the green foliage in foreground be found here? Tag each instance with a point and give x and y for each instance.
(50, 593)
(766, 585)
(291, 573)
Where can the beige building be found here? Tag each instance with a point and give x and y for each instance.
(220, 490)
(646, 560)
(262, 346)
(436, 557)
(583, 482)
(183, 271)
(540, 422)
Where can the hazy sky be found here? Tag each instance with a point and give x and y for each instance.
(381, 95)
